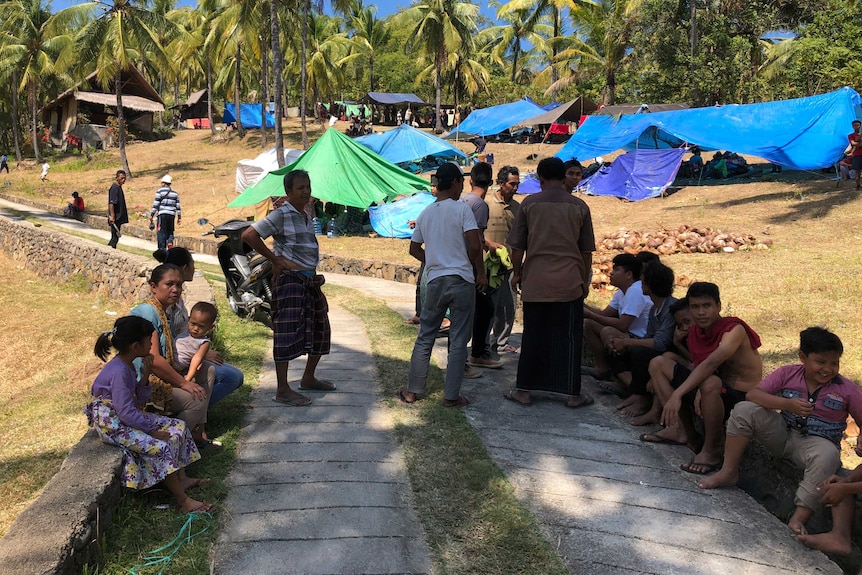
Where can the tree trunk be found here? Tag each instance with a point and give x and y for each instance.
(303, 74)
(438, 72)
(277, 72)
(371, 73)
(176, 101)
(264, 86)
(236, 83)
(610, 88)
(695, 94)
(555, 76)
(210, 96)
(121, 125)
(162, 96)
(515, 54)
(34, 128)
(16, 134)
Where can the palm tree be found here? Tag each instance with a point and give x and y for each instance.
(599, 43)
(277, 71)
(551, 8)
(236, 24)
(115, 41)
(523, 26)
(370, 35)
(32, 49)
(443, 27)
(328, 52)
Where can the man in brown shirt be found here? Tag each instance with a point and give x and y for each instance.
(501, 217)
(555, 230)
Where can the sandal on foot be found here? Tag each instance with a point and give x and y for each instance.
(707, 468)
(510, 395)
(298, 401)
(585, 401)
(460, 402)
(324, 386)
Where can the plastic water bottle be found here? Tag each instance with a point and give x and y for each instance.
(332, 230)
(318, 227)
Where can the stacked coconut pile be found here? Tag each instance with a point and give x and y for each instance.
(685, 240)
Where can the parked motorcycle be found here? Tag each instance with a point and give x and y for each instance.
(248, 275)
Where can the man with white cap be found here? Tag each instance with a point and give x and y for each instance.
(166, 205)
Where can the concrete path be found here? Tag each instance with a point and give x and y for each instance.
(607, 502)
(322, 489)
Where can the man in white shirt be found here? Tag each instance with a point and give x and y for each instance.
(626, 316)
(453, 247)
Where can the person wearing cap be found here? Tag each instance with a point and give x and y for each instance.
(555, 230)
(167, 206)
(453, 250)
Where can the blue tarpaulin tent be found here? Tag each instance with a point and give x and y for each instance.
(805, 133)
(388, 98)
(249, 114)
(636, 175)
(406, 143)
(493, 120)
(390, 220)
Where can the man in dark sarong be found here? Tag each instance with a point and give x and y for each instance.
(300, 313)
(555, 230)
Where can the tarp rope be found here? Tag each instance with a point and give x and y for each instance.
(165, 554)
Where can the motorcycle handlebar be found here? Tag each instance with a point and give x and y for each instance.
(209, 233)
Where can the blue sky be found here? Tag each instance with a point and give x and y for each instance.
(384, 7)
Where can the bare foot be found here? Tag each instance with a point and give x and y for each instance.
(191, 505)
(192, 482)
(638, 407)
(630, 400)
(669, 435)
(826, 542)
(797, 526)
(723, 478)
(649, 418)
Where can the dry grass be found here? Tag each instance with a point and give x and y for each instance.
(46, 371)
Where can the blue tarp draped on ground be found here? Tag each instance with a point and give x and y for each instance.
(805, 133)
(636, 175)
(406, 143)
(249, 114)
(493, 120)
(390, 220)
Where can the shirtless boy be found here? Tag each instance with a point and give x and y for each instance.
(727, 365)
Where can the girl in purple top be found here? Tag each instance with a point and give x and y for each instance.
(156, 448)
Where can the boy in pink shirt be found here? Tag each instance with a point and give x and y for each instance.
(814, 401)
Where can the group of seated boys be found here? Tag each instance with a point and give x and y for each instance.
(671, 357)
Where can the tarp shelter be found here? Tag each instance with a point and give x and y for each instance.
(623, 109)
(249, 172)
(571, 111)
(493, 120)
(406, 143)
(390, 220)
(390, 99)
(341, 171)
(636, 175)
(249, 114)
(804, 133)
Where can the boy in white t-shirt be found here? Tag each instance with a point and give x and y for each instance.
(193, 343)
(626, 316)
(453, 247)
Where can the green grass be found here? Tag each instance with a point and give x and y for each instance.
(138, 527)
(80, 163)
(473, 522)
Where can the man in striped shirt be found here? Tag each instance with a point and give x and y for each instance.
(166, 205)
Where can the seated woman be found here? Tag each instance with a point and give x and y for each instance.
(171, 394)
(227, 377)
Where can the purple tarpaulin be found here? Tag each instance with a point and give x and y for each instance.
(637, 175)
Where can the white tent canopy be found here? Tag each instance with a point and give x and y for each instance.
(249, 172)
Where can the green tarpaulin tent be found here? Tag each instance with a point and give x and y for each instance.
(341, 171)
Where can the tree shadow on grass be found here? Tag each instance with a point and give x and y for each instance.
(184, 166)
(808, 201)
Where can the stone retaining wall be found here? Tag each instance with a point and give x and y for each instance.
(53, 255)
